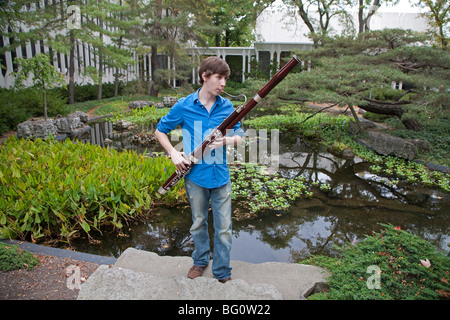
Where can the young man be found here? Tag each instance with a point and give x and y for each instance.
(209, 179)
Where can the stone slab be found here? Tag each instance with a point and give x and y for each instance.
(139, 274)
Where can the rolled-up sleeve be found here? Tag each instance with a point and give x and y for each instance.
(237, 130)
(171, 120)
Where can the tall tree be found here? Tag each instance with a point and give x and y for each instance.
(168, 28)
(317, 15)
(366, 10)
(61, 30)
(234, 21)
(438, 16)
(102, 28)
(43, 75)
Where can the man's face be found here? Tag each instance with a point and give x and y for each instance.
(215, 83)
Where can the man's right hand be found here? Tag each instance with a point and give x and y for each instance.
(179, 159)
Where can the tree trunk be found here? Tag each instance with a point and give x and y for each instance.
(116, 76)
(392, 109)
(45, 100)
(304, 15)
(411, 124)
(153, 88)
(355, 116)
(72, 69)
(100, 76)
(361, 16)
(364, 21)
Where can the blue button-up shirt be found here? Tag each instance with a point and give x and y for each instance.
(196, 122)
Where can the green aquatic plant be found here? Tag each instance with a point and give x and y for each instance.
(256, 189)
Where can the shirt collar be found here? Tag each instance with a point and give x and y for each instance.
(219, 99)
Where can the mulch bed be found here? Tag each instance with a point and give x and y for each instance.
(48, 281)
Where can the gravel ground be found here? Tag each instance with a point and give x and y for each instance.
(48, 281)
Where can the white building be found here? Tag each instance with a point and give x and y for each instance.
(279, 31)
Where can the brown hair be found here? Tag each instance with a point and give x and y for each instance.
(213, 65)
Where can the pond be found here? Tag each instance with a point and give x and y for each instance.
(353, 208)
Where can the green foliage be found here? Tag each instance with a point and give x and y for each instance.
(54, 189)
(412, 172)
(357, 70)
(393, 167)
(18, 106)
(141, 116)
(397, 257)
(439, 142)
(43, 75)
(297, 122)
(12, 257)
(88, 91)
(257, 189)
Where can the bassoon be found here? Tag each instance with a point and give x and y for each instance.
(227, 124)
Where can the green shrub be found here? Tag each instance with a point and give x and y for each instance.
(54, 189)
(18, 106)
(12, 257)
(87, 92)
(141, 116)
(398, 258)
(298, 122)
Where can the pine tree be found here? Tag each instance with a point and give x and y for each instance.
(168, 28)
(359, 71)
(103, 26)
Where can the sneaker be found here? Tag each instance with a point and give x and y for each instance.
(195, 272)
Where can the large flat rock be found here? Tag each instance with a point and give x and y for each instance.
(141, 274)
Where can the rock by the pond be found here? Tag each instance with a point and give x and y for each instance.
(139, 274)
(68, 124)
(388, 145)
(140, 104)
(122, 125)
(42, 129)
(143, 139)
(37, 129)
(169, 101)
(125, 284)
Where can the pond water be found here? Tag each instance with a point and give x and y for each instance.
(354, 207)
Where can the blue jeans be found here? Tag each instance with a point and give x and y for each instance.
(199, 198)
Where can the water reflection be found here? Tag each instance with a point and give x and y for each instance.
(357, 202)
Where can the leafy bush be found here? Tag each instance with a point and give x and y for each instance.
(89, 91)
(18, 106)
(12, 257)
(141, 116)
(408, 267)
(298, 122)
(49, 188)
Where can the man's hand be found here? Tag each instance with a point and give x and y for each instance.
(179, 159)
(218, 142)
